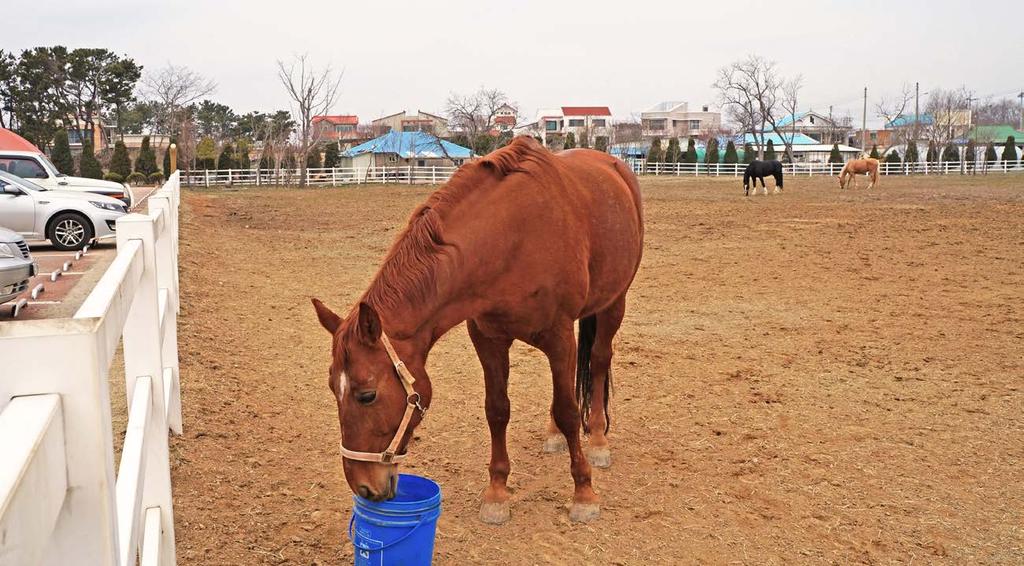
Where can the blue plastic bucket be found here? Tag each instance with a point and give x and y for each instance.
(399, 531)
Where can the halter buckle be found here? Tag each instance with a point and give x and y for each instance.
(414, 400)
(387, 457)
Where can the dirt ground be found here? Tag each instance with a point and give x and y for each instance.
(813, 377)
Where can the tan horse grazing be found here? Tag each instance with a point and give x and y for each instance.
(856, 167)
(521, 244)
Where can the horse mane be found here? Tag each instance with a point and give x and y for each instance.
(414, 269)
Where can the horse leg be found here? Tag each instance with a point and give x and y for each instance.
(493, 354)
(764, 188)
(559, 345)
(555, 441)
(608, 322)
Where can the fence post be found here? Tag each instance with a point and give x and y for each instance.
(143, 357)
(206, 174)
(433, 174)
(334, 176)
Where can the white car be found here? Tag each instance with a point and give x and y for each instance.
(16, 265)
(69, 219)
(37, 168)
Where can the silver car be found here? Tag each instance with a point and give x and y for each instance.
(16, 265)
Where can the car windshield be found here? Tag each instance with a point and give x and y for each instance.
(51, 166)
(23, 183)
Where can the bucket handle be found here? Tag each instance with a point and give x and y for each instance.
(352, 539)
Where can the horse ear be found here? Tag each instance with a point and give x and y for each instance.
(328, 319)
(369, 324)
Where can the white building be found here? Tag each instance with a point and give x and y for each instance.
(673, 119)
(584, 122)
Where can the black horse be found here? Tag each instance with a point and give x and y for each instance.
(760, 169)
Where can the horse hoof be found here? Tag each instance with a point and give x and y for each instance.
(584, 512)
(495, 513)
(600, 457)
(555, 443)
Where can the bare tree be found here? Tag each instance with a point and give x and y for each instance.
(174, 88)
(749, 92)
(891, 110)
(789, 101)
(314, 93)
(476, 114)
(950, 115)
(997, 112)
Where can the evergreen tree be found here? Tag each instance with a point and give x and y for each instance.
(601, 143)
(331, 155)
(266, 162)
(911, 156)
(61, 156)
(874, 152)
(769, 153)
(990, 153)
(711, 152)
(167, 159)
(730, 153)
(585, 140)
(120, 163)
(88, 166)
(933, 153)
(748, 153)
(950, 153)
(570, 141)
(206, 154)
(893, 157)
(1010, 149)
(226, 160)
(145, 163)
(672, 154)
(834, 156)
(970, 154)
(313, 159)
(655, 155)
(691, 152)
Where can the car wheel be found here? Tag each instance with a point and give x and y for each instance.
(69, 231)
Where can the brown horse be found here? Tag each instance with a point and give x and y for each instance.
(520, 244)
(856, 167)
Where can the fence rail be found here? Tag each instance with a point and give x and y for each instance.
(433, 175)
(60, 500)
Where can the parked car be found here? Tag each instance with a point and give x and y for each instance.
(37, 168)
(16, 265)
(69, 219)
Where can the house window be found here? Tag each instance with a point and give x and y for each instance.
(656, 125)
(342, 128)
(392, 158)
(575, 123)
(600, 123)
(694, 124)
(551, 125)
(812, 120)
(421, 163)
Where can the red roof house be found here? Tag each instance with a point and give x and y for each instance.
(11, 141)
(586, 111)
(335, 128)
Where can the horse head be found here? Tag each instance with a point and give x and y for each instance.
(378, 408)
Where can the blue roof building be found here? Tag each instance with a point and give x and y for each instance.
(417, 149)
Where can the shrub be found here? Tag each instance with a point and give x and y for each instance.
(950, 153)
(834, 156)
(145, 163)
(115, 177)
(990, 153)
(769, 153)
(156, 178)
(691, 152)
(748, 153)
(1010, 149)
(601, 143)
(730, 154)
(911, 156)
(874, 152)
(570, 141)
(120, 163)
(136, 178)
(88, 166)
(673, 153)
(313, 158)
(331, 155)
(893, 157)
(227, 158)
(711, 153)
(167, 159)
(933, 153)
(655, 154)
(61, 155)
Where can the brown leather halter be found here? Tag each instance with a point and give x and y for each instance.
(390, 454)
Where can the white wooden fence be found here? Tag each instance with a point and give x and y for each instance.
(60, 500)
(641, 167)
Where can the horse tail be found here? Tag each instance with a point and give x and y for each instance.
(584, 379)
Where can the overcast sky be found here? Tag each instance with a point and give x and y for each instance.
(627, 55)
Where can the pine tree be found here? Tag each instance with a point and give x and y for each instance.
(226, 160)
(970, 154)
(911, 156)
(88, 166)
(950, 153)
(893, 157)
(655, 155)
(874, 152)
(672, 154)
(313, 158)
(748, 153)
(769, 153)
(145, 163)
(730, 153)
(933, 153)
(691, 152)
(601, 143)
(120, 163)
(331, 155)
(990, 153)
(206, 154)
(1010, 149)
(834, 156)
(711, 152)
(61, 156)
(570, 141)
(167, 159)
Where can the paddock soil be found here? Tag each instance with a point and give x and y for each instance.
(813, 377)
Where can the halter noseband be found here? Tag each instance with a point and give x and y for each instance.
(390, 454)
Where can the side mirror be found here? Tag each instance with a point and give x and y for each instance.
(11, 190)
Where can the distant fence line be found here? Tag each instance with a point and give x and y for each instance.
(338, 176)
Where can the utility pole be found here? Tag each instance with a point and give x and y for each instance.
(832, 125)
(864, 124)
(917, 108)
(1021, 97)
